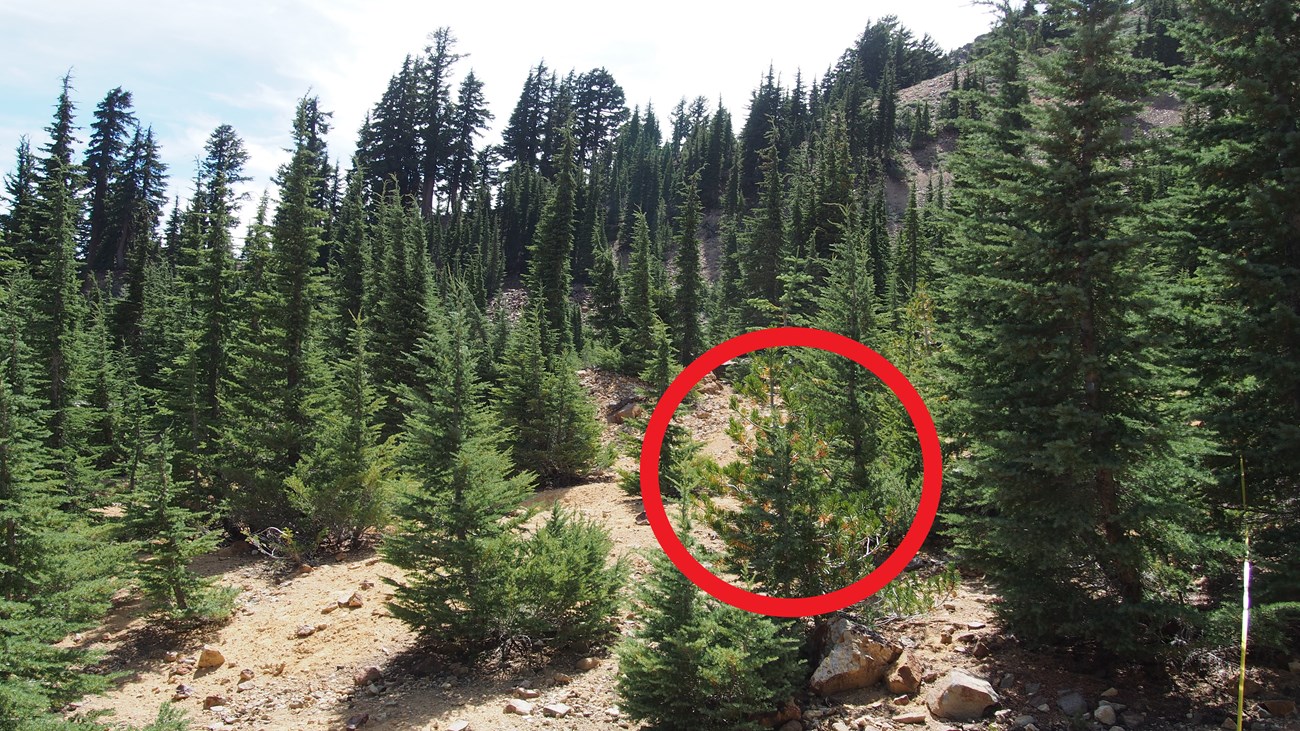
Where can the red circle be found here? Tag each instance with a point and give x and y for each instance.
(931, 482)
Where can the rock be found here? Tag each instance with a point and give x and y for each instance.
(1023, 721)
(1229, 723)
(791, 726)
(1033, 688)
(245, 686)
(1105, 715)
(1072, 704)
(1294, 666)
(246, 674)
(562, 678)
(306, 568)
(975, 625)
(366, 676)
(329, 608)
(1007, 681)
(556, 710)
(1253, 688)
(960, 696)
(374, 689)
(980, 651)
(910, 717)
(357, 721)
(626, 411)
(519, 706)
(367, 584)
(210, 657)
(613, 712)
(642, 518)
(905, 677)
(352, 602)
(304, 630)
(1132, 719)
(1279, 707)
(459, 724)
(526, 693)
(1110, 693)
(183, 691)
(589, 663)
(169, 657)
(214, 701)
(946, 638)
(858, 659)
(276, 669)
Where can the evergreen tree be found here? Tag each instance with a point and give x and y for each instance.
(688, 304)
(171, 535)
(18, 223)
(104, 165)
(1082, 472)
(764, 247)
(457, 543)
(699, 664)
(550, 275)
(346, 484)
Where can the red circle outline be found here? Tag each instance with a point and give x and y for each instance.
(931, 481)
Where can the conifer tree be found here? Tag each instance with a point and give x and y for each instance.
(170, 536)
(18, 223)
(457, 541)
(550, 276)
(764, 246)
(1083, 476)
(688, 299)
(105, 158)
(639, 295)
(699, 664)
(347, 482)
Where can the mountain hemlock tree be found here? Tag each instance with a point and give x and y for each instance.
(550, 276)
(1082, 473)
(697, 663)
(171, 535)
(688, 295)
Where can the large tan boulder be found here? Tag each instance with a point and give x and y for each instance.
(858, 658)
(960, 696)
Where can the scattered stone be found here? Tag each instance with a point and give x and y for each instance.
(1294, 666)
(1023, 721)
(791, 726)
(946, 638)
(306, 568)
(305, 630)
(357, 721)
(246, 674)
(329, 608)
(276, 669)
(613, 712)
(169, 657)
(375, 690)
(183, 691)
(975, 625)
(1132, 719)
(351, 602)
(589, 663)
(906, 674)
(858, 658)
(562, 678)
(960, 696)
(950, 606)
(900, 700)
(556, 710)
(1072, 704)
(1229, 723)
(1110, 693)
(245, 686)
(1279, 707)
(366, 676)
(526, 693)
(967, 638)
(980, 651)
(1105, 715)
(367, 584)
(297, 703)
(459, 724)
(214, 701)
(1253, 688)
(1043, 707)
(910, 717)
(1033, 688)
(642, 518)
(839, 726)
(625, 412)
(519, 706)
(1031, 727)
(1007, 681)
(210, 657)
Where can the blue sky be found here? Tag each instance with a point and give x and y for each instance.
(191, 66)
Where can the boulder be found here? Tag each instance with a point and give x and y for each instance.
(626, 411)
(1072, 704)
(1279, 707)
(556, 710)
(858, 658)
(905, 677)
(366, 676)
(1105, 715)
(210, 657)
(589, 663)
(520, 707)
(960, 696)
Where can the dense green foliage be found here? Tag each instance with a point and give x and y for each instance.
(1101, 312)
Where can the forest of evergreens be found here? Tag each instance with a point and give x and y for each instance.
(1102, 314)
